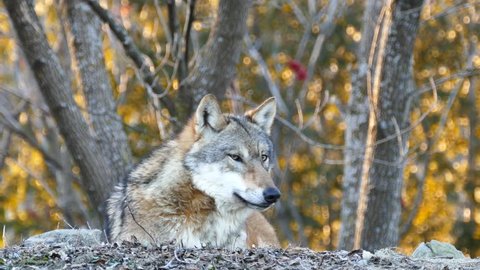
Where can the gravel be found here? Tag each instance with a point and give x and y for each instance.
(128, 255)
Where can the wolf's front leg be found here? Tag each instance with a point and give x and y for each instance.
(260, 233)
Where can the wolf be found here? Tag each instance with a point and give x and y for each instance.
(205, 187)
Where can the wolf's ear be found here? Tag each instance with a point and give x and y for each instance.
(209, 115)
(264, 114)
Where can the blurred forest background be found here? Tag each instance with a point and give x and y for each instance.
(375, 98)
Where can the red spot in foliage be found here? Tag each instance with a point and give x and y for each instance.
(294, 64)
(299, 69)
(301, 74)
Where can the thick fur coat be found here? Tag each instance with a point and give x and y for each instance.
(206, 187)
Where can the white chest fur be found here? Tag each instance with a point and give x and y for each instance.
(219, 230)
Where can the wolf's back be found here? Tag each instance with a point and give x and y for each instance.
(122, 206)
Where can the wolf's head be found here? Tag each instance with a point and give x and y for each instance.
(232, 156)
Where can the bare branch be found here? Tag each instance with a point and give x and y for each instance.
(191, 18)
(298, 13)
(418, 121)
(401, 149)
(8, 121)
(292, 127)
(172, 23)
(132, 51)
(334, 9)
(272, 86)
(41, 179)
(451, 10)
(163, 22)
(318, 108)
(24, 98)
(299, 113)
(467, 73)
(181, 65)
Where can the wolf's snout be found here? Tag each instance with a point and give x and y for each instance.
(271, 194)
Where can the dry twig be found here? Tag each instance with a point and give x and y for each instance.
(133, 52)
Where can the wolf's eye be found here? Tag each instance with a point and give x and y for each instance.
(264, 157)
(236, 157)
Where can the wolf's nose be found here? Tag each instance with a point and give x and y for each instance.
(271, 194)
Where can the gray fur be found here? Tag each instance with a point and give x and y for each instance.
(246, 135)
(153, 202)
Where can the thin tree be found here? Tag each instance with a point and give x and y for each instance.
(377, 125)
(105, 122)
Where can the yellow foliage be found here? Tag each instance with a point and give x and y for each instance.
(434, 216)
(476, 61)
(148, 30)
(299, 162)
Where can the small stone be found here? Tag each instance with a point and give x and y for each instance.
(437, 249)
(366, 255)
(72, 237)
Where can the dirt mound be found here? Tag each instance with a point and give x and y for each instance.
(135, 256)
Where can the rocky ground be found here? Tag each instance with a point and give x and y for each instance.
(92, 255)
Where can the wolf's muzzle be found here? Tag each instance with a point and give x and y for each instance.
(271, 195)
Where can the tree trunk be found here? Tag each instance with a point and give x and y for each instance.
(216, 65)
(384, 174)
(89, 59)
(96, 179)
(356, 131)
(467, 227)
